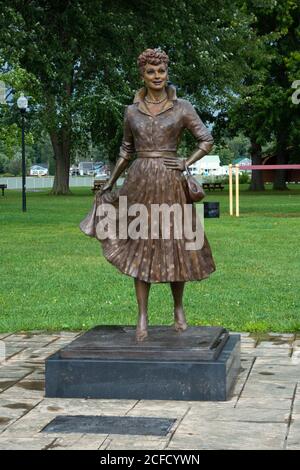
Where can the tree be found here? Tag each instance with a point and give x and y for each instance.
(263, 109)
(231, 148)
(81, 56)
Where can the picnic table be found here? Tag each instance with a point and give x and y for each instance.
(3, 186)
(212, 186)
(98, 184)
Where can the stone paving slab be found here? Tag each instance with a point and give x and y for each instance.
(152, 408)
(235, 435)
(80, 442)
(296, 407)
(4, 335)
(263, 412)
(271, 372)
(265, 352)
(24, 389)
(84, 406)
(255, 388)
(120, 442)
(13, 373)
(25, 443)
(30, 339)
(194, 418)
(283, 361)
(282, 344)
(293, 441)
(282, 335)
(265, 403)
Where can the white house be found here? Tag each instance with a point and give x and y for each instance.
(208, 165)
(242, 161)
(89, 168)
(38, 170)
(224, 170)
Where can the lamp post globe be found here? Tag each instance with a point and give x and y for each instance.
(22, 104)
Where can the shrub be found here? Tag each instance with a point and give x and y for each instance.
(224, 179)
(245, 177)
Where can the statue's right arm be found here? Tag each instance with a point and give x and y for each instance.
(126, 153)
(121, 165)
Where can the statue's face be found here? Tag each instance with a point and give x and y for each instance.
(155, 76)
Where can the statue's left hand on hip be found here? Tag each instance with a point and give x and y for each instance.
(174, 163)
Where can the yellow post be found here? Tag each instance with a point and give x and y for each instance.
(237, 191)
(230, 190)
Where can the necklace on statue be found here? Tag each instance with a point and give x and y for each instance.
(155, 102)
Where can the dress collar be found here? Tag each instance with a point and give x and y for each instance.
(140, 95)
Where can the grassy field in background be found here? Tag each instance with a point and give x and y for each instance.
(54, 277)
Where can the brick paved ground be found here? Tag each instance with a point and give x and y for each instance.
(264, 412)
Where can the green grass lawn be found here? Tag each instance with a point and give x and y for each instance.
(55, 277)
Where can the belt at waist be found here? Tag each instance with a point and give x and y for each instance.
(157, 154)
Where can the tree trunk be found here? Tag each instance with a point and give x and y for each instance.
(61, 142)
(281, 175)
(257, 181)
(61, 147)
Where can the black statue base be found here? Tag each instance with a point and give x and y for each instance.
(202, 363)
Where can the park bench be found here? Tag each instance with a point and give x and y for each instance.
(212, 186)
(3, 186)
(98, 184)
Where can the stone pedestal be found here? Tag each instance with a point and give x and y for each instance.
(201, 363)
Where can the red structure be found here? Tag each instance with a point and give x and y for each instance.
(269, 167)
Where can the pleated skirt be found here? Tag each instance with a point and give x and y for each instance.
(158, 259)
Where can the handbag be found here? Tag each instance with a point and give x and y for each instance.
(195, 192)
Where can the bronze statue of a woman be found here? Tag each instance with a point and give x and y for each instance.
(152, 128)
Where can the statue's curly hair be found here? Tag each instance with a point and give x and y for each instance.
(153, 57)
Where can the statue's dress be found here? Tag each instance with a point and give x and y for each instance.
(149, 182)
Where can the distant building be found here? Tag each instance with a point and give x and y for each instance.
(89, 168)
(38, 170)
(209, 165)
(242, 161)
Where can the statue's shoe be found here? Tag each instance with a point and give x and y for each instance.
(180, 325)
(141, 335)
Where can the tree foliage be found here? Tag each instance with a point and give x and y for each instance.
(79, 59)
(263, 109)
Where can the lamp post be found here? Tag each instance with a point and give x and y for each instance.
(22, 103)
